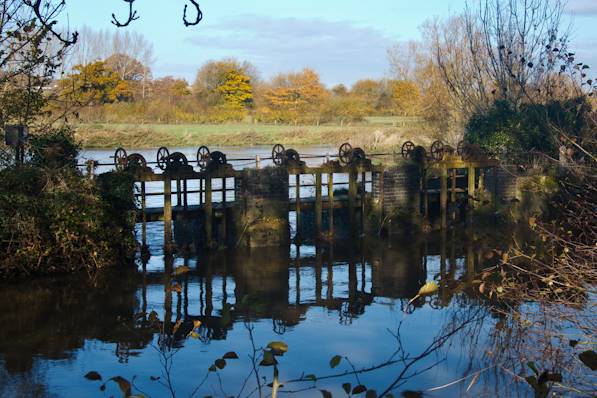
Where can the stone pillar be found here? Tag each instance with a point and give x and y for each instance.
(397, 191)
(262, 196)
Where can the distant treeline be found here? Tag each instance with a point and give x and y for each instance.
(120, 89)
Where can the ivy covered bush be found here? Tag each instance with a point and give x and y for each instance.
(507, 132)
(54, 220)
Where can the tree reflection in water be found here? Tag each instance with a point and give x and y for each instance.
(169, 328)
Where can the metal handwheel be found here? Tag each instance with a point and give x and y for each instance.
(218, 158)
(203, 156)
(407, 149)
(162, 158)
(177, 161)
(278, 154)
(136, 161)
(437, 150)
(120, 158)
(345, 153)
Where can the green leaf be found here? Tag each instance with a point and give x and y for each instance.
(371, 394)
(230, 355)
(220, 363)
(589, 358)
(359, 389)
(326, 394)
(335, 361)
(346, 387)
(93, 376)
(532, 366)
(268, 359)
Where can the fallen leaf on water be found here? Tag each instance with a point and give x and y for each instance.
(123, 384)
(428, 288)
(278, 347)
(589, 358)
(335, 361)
(183, 269)
(230, 355)
(93, 376)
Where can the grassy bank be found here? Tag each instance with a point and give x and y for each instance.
(384, 132)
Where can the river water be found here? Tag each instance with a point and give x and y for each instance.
(161, 332)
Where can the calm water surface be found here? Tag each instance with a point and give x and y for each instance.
(162, 332)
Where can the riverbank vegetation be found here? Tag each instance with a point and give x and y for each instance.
(52, 219)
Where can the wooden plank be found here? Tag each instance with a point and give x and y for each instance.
(224, 220)
(144, 215)
(167, 215)
(208, 212)
(318, 203)
(331, 203)
(298, 204)
(352, 197)
(444, 197)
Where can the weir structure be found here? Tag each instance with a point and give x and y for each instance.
(254, 207)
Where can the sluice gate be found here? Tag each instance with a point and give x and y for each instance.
(348, 194)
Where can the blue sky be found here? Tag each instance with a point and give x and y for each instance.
(344, 40)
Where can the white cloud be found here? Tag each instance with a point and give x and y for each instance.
(340, 51)
(582, 7)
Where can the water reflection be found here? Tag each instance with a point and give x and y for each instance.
(340, 299)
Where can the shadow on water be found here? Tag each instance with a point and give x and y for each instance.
(163, 332)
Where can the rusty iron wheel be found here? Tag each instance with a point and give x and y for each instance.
(120, 158)
(345, 153)
(407, 148)
(162, 158)
(219, 158)
(292, 155)
(357, 155)
(203, 156)
(136, 161)
(437, 150)
(278, 154)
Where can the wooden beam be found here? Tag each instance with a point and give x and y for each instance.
(208, 212)
(318, 203)
(443, 200)
(167, 215)
(331, 203)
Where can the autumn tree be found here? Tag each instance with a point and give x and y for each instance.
(369, 91)
(297, 96)
(225, 82)
(170, 89)
(95, 84)
(405, 97)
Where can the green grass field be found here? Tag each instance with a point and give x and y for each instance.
(376, 132)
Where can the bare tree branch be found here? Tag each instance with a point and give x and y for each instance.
(132, 16)
(197, 19)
